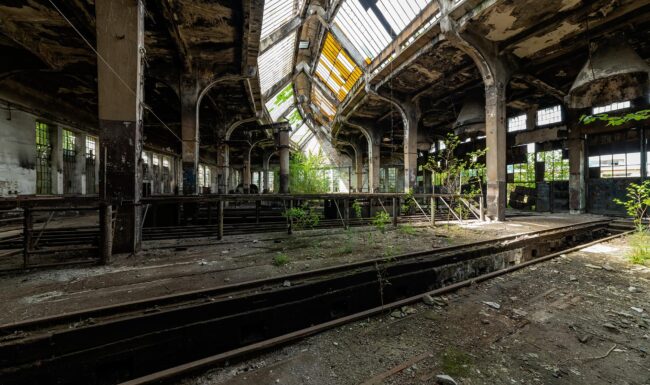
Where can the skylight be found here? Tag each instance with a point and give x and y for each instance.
(371, 25)
(281, 102)
(336, 69)
(277, 62)
(302, 135)
(277, 13)
(323, 104)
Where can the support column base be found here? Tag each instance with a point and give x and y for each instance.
(496, 201)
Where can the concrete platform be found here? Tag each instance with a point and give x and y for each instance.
(193, 264)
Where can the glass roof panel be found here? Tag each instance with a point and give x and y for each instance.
(279, 103)
(277, 13)
(323, 104)
(336, 69)
(301, 135)
(372, 24)
(276, 62)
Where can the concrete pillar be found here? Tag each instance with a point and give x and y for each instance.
(223, 168)
(374, 166)
(284, 159)
(410, 147)
(120, 41)
(246, 179)
(190, 133)
(495, 128)
(266, 158)
(358, 168)
(577, 193)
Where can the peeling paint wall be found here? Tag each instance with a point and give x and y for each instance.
(17, 153)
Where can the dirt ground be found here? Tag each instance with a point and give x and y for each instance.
(194, 264)
(578, 319)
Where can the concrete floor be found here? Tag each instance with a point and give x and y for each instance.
(185, 265)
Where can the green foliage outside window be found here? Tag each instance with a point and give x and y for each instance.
(616, 120)
(449, 169)
(307, 175)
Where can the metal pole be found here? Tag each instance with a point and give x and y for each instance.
(395, 212)
(27, 235)
(106, 232)
(480, 207)
(433, 210)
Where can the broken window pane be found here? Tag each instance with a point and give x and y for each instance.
(336, 69)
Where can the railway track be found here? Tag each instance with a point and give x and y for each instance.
(158, 339)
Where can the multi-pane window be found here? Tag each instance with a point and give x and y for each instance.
(388, 177)
(91, 147)
(336, 69)
(43, 159)
(612, 107)
(517, 123)
(69, 140)
(277, 62)
(549, 115)
(556, 168)
(204, 177)
(69, 162)
(91, 180)
(201, 176)
(617, 165)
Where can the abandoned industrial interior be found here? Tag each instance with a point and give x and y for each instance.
(324, 192)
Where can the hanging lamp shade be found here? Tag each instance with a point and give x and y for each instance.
(471, 119)
(614, 72)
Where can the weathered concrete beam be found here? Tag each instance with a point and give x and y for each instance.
(541, 135)
(170, 19)
(541, 85)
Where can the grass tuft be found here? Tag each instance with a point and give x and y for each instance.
(280, 260)
(640, 252)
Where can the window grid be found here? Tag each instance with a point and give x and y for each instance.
(517, 123)
(549, 115)
(277, 62)
(555, 167)
(281, 102)
(323, 104)
(43, 159)
(612, 107)
(617, 165)
(336, 69)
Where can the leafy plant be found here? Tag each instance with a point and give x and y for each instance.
(640, 252)
(409, 202)
(356, 206)
(637, 203)
(280, 259)
(302, 217)
(616, 120)
(449, 167)
(307, 175)
(380, 220)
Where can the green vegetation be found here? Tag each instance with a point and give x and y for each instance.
(455, 363)
(637, 203)
(380, 220)
(280, 260)
(408, 203)
(637, 206)
(348, 244)
(307, 175)
(450, 169)
(616, 120)
(356, 206)
(640, 243)
(407, 230)
(302, 217)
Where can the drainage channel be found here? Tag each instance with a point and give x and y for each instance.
(163, 338)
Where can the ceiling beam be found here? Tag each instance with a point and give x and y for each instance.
(170, 19)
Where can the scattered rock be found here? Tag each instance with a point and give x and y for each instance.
(611, 327)
(224, 251)
(637, 309)
(226, 279)
(444, 379)
(286, 283)
(633, 289)
(596, 267)
(434, 301)
(335, 343)
(397, 314)
(254, 240)
(573, 278)
(409, 310)
(584, 338)
(608, 267)
(493, 305)
(519, 312)
(485, 322)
